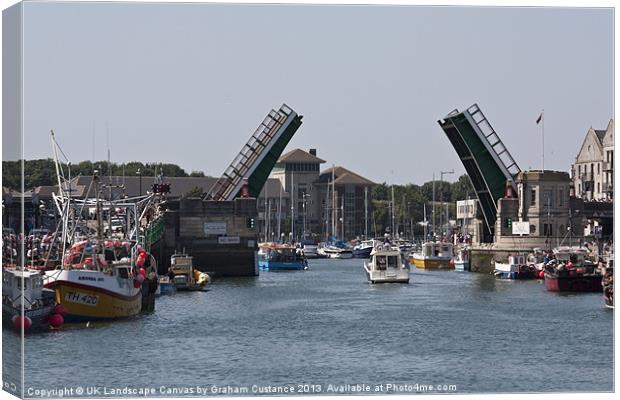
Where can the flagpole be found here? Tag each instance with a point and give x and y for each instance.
(543, 139)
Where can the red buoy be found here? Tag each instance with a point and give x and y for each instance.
(541, 274)
(19, 321)
(142, 272)
(59, 309)
(56, 320)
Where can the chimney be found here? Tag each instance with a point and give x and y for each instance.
(313, 152)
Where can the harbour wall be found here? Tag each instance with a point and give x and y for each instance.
(219, 235)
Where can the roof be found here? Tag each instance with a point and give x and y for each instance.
(600, 134)
(299, 156)
(344, 176)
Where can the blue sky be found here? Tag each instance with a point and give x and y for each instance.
(189, 83)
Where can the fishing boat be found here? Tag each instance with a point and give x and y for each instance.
(386, 264)
(515, 268)
(572, 271)
(280, 257)
(102, 278)
(184, 275)
(25, 287)
(433, 255)
(461, 259)
(608, 283)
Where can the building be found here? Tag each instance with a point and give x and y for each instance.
(469, 218)
(593, 170)
(297, 171)
(346, 213)
(543, 202)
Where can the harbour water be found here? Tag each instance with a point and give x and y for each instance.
(328, 328)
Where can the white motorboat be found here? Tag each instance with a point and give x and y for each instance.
(337, 252)
(386, 265)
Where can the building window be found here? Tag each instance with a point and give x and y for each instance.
(579, 169)
(598, 187)
(561, 198)
(598, 168)
(533, 198)
(548, 198)
(547, 229)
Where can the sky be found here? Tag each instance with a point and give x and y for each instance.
(189, 83)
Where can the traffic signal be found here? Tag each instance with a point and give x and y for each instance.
(251, 223)
(508, 223)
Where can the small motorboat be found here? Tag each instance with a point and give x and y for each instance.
(515, 268)
(572, 271)
(25, 287)
(280, 257)
(186, 276)
(461, 260)
(434, 255)
(386, 265)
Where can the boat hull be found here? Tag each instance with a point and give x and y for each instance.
(38, 316)
(281, 265)
(102, 298)
(362, 253)
(387, 276)
(575, 283)
(516, 275)
(431, 263)
(462, 266)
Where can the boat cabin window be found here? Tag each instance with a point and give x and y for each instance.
(381, 262)
(18, 283)
(392, 261)
(123, 272)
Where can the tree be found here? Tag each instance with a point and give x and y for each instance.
(461, 188)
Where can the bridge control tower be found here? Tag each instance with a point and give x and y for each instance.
(488, 162)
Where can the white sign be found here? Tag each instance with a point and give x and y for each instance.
(215, 228)
(251, 243)
(520, 228)
(229, 240)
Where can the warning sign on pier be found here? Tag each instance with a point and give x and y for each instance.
(215, 228)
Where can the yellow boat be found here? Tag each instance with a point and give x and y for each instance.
(88, 295)
(434, 255)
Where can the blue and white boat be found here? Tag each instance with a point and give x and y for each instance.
(461, 260)
(516, 268)
(280, 257)
(364, 249)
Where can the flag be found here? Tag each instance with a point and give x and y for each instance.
(539, 118)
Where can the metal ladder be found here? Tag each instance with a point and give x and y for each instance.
(494, 141)
(229, 183)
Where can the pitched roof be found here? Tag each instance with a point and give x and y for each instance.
(345, 176)
(300, 156)
(600, 134)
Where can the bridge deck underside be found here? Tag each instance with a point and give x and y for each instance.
(257, 179)
(486, 176)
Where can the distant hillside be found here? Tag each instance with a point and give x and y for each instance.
(43, 172)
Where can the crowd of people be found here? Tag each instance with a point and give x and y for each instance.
(39, 247)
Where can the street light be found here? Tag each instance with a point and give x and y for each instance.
(139, 173)
(442, 173)
(305, 196)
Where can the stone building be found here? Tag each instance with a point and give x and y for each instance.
(593, 170)
(544, 202)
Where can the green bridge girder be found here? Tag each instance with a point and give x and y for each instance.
(488, 163)
(258, 156)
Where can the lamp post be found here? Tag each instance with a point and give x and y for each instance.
(139, 173)
(442, 173)
(305, 196)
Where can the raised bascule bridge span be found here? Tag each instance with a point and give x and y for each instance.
(486, 159)
(218, 230)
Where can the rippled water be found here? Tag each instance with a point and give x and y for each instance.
(328, 326)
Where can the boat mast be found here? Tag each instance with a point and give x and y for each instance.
(333, 201)
(280, 211)
(393, 213)
(365, 212)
